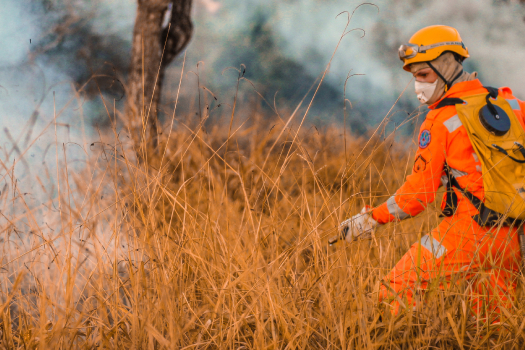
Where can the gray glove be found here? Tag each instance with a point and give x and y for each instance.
(359, 226)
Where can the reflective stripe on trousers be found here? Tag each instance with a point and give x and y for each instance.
(433, 246)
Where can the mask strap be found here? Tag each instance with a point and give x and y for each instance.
(447, 84)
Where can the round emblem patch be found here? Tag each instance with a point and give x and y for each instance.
(424, 139)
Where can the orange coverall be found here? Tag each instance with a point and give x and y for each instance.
(458, 245)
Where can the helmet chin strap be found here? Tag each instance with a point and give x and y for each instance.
(448, 84)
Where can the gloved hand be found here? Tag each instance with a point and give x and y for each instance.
(359, 226)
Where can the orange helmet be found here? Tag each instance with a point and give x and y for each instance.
(429, 43)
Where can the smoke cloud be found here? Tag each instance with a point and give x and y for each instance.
(285, 45)
(50, 49)
(58, 45)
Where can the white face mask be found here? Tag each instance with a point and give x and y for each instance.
(425, 90)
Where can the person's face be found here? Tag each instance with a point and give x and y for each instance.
(425, 75)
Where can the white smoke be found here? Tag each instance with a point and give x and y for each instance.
(303, 31)
(307, 32)
(493, 31)
(211, 5)
(41, 117)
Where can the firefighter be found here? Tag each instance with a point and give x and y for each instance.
(461, 245)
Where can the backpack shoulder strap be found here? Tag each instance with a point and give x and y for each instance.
(449, 101)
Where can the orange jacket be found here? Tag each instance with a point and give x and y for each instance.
(442, 138)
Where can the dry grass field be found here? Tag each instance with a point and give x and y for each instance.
(217, 239)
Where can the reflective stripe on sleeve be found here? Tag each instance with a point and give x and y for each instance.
(453, 123)
(457, 173)
(395, 210)
(514, 104)
(433, 246)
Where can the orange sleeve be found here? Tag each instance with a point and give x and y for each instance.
(420, 187)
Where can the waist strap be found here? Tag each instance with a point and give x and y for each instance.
(485, 217)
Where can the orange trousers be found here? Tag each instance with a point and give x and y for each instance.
(459, 250)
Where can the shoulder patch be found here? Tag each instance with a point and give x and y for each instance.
(424, 139)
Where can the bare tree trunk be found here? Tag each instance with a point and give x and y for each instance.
(148, 61)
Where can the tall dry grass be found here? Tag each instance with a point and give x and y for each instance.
(217, 239)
